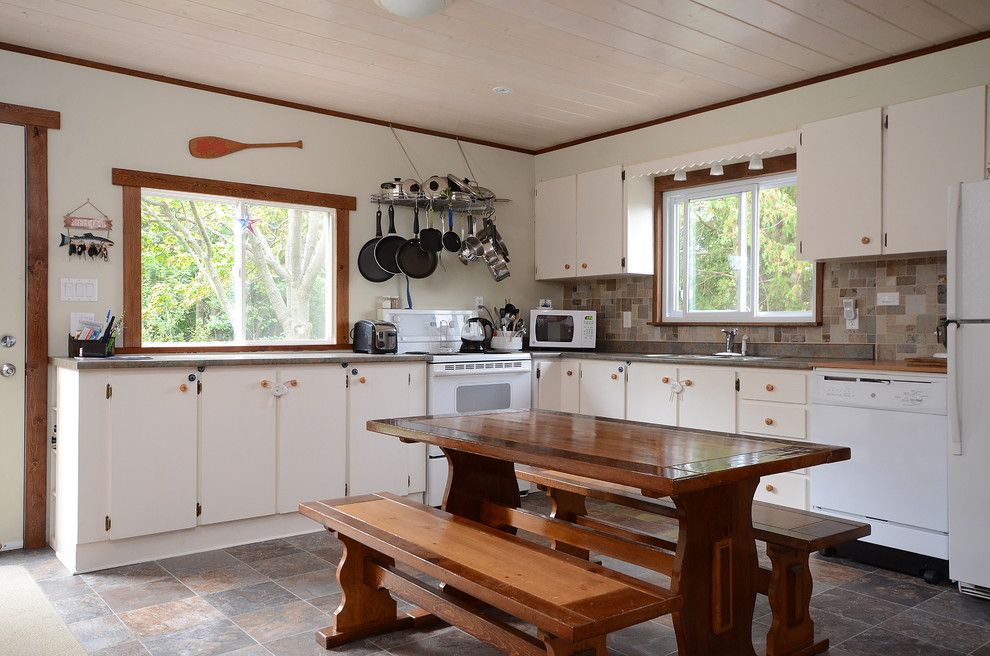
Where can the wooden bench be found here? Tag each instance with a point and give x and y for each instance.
(790, 535)
(574, 604)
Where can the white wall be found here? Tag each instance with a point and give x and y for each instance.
(111, 120)
(941, 72)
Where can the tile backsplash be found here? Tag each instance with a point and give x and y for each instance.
(897, 331)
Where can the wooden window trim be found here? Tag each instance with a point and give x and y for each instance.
(740, 171)
(132, 182)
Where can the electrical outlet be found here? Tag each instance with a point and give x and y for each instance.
(479, 301)
(888, 298)
(627, 319)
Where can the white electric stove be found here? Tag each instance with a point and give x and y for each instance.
(459, 383)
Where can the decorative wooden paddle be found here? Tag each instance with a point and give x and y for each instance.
(213, 147)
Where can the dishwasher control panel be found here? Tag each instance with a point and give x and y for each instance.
(879, 391)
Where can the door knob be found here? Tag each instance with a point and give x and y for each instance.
(615, 376)
(7, 370)
(8, 341)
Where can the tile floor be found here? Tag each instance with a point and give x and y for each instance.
(269, 598)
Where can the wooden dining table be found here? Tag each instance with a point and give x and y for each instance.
(711, 478)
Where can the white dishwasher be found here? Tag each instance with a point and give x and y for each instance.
(896, 426)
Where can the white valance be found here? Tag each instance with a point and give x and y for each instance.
(778, 144)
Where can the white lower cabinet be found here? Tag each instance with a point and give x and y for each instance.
(649, 393)
(708, 400)
(788, 489)
(237, 444)
(602, 389)
(151, 450)
(546, 384)
(570, 386)
(376, 462)
(312, 435)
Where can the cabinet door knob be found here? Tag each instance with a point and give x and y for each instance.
(615, 376)
(769, 387)
(770, 487)
(292, 383)
(183, 387)
(865, 240)
(584, 265)
(688, 383)
(768, 421)
(567, 266)
(665, 380)
(265, 384)
(362, 380)
(570, 373)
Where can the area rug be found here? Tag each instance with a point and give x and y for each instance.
(29, 626)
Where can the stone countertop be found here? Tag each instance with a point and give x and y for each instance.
(231, 359)
(761, 362)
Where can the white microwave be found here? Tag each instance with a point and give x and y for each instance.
(562, 329)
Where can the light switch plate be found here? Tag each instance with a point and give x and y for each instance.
(888, 298)
(80, 289)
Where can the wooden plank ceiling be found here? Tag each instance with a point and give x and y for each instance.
(577, 67)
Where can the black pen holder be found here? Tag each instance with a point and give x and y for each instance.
(89, 348)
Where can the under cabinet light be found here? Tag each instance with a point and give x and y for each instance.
(755, 163)
(680, 176)
(717, 170)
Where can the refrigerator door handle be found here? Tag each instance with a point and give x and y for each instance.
(955, 428)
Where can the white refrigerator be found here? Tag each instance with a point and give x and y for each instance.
(968, 328)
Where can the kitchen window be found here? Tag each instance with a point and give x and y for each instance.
(233, 268)
(729, 255)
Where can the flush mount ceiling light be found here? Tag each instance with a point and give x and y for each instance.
(502, 91)
(413, 8)
(716, 170)
(755, 163)
(680, 176)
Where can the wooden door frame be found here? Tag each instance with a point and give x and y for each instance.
(36, 123)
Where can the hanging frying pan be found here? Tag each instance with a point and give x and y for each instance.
(430, 239)
(367, 264)
(387, 247)
(451, 240)
(411, 259)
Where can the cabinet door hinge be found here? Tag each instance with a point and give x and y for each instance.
(199, 509)
(409, 378)
(737, 384)
(409, 480)
(800, 138)
(106, 523)
(885, 240)
(109, 392)
(886, 121)
(347, 382)
(347, 489)
(199, 387)
(538, 370)
(623, 175)
(623, 263)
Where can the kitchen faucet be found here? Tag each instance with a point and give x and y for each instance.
(730, 338)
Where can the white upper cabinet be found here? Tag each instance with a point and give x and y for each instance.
(599, 222)
(839, 187)
(594, 224)
(237, 444)
(928, 145)
(153, 444)
(556, 228)
(312, 434)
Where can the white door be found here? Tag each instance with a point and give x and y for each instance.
(312, 435)
(12, 323)
(839, 167)
(650, 394)
(555, 228)
(152, 451)
(603, 389)
(928, 145)
(599, 222)
(708, 401)
(570, 386)
(237, 444)
(376, 462)
(547, 384)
